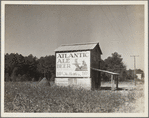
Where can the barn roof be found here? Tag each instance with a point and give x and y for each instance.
(76, 47)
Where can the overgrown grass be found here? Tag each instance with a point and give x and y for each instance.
(25, 97)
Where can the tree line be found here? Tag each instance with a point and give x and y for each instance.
(30, 68)
(114, 63)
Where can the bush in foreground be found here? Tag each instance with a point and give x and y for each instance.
(25, 97)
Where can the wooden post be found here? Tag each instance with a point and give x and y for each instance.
(112, 83)
(116, 81)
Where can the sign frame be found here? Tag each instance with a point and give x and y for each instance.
(73, 52)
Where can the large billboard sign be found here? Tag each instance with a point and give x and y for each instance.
(73, 64)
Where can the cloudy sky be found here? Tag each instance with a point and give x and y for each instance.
(40, 29)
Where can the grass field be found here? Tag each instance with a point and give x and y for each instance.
(27, 97)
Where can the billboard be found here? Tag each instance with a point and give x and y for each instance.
(73, 64)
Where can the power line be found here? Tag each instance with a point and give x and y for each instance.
(124, 36)
(134, 66)
(116, 23)
(109, 22)
(129, 22)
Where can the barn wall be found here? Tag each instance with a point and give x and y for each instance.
(95, 58)
(92, 82)
(61, 81)
(95, 63)
(75, 82)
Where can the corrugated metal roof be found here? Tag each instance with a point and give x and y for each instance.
(74, 47)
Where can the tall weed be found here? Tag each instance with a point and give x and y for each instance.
(26, 97)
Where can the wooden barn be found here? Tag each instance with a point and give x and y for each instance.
(74, 63)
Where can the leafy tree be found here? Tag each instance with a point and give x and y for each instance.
(46, 66)
(104, 76)
(130, 74)
(7, 77)
(18, 65)
(114, 63)
(14, 75)
(30, 66)
(10, 63)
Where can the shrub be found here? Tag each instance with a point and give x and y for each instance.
(18, 78)
(26, 97)
(7, 78)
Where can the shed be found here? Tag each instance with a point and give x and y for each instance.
(74, 63)
(139, 76)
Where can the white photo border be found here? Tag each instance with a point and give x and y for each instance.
(145, 3)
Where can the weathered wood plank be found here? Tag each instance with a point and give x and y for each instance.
(112, 83)
(116, 82)
(75, 82)
(105, 71)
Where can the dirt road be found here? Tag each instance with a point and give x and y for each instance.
(138, 104)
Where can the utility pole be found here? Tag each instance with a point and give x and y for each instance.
(134, 66)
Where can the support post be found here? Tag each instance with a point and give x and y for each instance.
(135, 67)
(112, 83)
(116, 81)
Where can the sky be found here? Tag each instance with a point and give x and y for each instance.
(40, 29)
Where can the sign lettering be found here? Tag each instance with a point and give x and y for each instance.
(73, 64)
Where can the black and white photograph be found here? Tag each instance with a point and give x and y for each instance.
(74, 58)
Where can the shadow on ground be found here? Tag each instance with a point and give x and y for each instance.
(109, 88)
